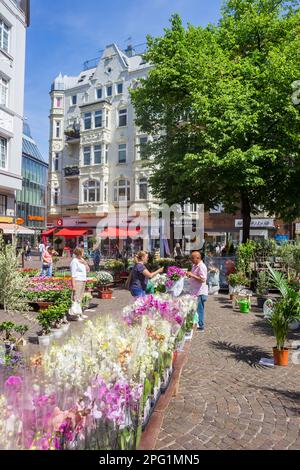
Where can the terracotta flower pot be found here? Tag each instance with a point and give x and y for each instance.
(107, 295)
(281, 357)
(44, 305)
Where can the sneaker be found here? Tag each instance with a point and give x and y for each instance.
(80, 319)
(84, 317)
(200, 328)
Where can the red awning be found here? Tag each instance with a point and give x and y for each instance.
(71, 233)
(113, 232)
(46, 233)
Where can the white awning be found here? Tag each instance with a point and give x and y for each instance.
(12, 229)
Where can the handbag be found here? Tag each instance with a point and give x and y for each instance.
(128, 280)
(75, 309)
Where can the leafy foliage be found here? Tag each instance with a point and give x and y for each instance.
(12, 282)
(219, 100)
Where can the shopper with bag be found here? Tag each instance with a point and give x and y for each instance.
(47, 262)
(199, 287)
(138, 278)
(79, 269)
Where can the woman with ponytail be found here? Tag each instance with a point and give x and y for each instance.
(139, 275)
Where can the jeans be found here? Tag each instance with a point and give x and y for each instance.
(137, 292)
(47, 271)
(200, 309)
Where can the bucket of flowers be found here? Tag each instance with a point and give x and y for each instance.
(105, 282)
(175, 282)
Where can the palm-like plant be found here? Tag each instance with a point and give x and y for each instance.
(286, 309)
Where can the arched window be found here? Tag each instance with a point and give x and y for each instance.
(91, 191)
(143, 188)
(122, 190)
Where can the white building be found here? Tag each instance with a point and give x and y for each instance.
(95, 147)
(14, 18)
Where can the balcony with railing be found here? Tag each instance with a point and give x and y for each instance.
(72, 134)
(72, 172)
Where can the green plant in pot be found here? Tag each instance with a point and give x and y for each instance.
(237, 281)
(7, 328)
(286, 311)
(262, 287)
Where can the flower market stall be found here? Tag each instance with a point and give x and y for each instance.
(98, 389)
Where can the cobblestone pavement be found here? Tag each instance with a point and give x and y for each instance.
(226, 400)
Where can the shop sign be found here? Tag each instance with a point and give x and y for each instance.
(20, 221)
(60, 222)
(7, 220)
(37, 218)
(297, 227)
(256, 223)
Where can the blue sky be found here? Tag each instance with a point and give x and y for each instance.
(65, 33)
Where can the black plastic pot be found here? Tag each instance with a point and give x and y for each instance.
(261, 301)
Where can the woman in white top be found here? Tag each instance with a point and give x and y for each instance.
(79, 268)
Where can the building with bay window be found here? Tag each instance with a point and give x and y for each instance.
(96, 159)
(14, 19)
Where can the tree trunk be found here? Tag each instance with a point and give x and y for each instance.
(246, 214)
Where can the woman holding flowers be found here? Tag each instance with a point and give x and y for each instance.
(140, 275)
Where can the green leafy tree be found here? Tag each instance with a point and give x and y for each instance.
(220, 100)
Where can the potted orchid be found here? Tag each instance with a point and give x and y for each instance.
(104, 284)
(175, 282)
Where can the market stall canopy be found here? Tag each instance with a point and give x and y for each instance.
(46, 233)
(113, 232)
(71, 233)
(13, 229)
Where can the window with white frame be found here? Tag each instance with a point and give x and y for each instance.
(3, 91)
(3, 204)
(99, 93)
(142, 146)
(106, 118)
(57, 129)
(143, 188)
(56, 196)
(106, 153)
(119, 88)
(122, 190)
(91, 191)
(3, 152)
(59, 102)
(97, 154)
(98, 118)
(105, 192)
(87, 121)
(122, 117)
(74, 100)
(56, 162)
(122, 153)
(4, 35)
(109, 91)
(86, 156)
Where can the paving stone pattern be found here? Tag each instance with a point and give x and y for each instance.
(226, 400)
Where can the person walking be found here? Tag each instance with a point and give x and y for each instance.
(140, 275)
(27, 250)
(41, 249)
(199, 287)
(47, 261)
(96, 259)
(79, 269)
